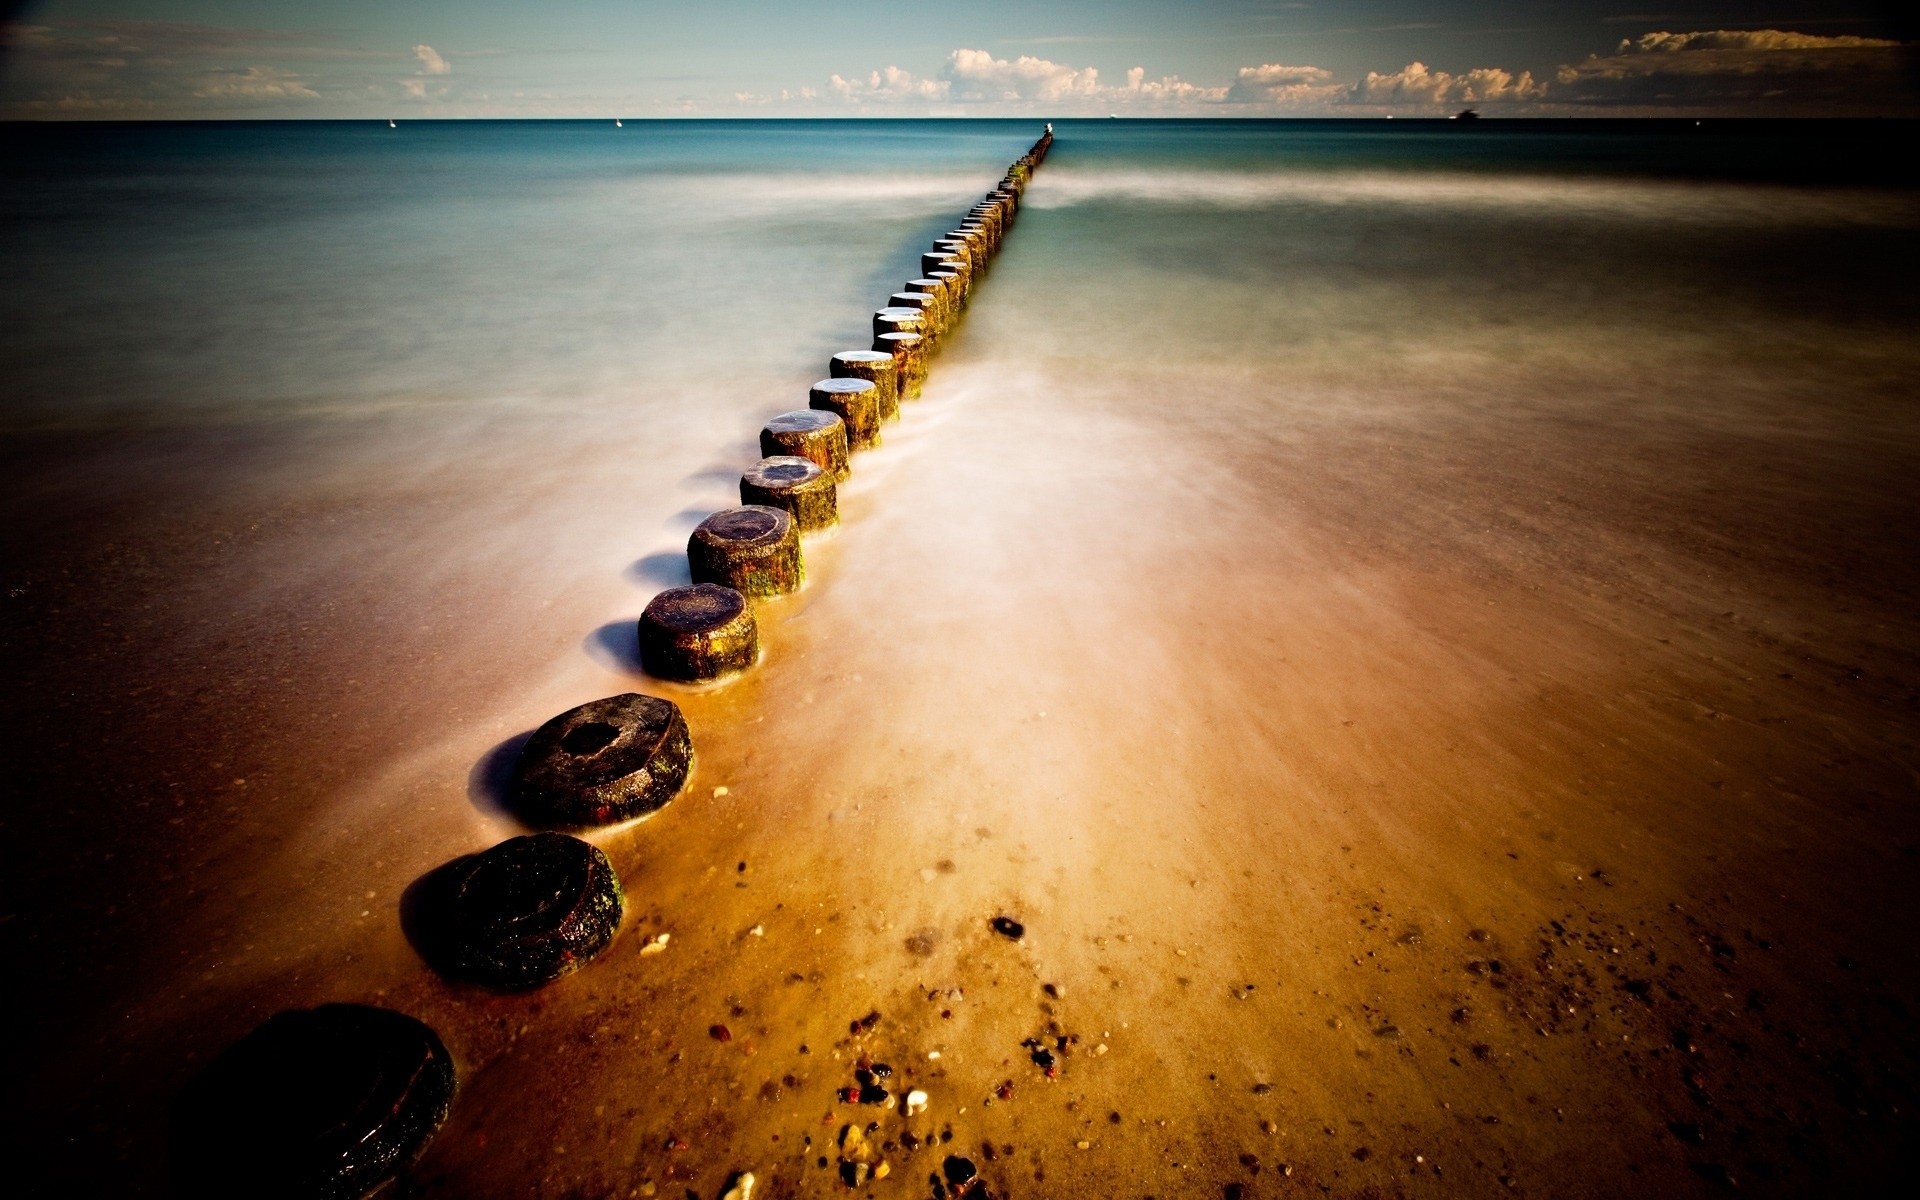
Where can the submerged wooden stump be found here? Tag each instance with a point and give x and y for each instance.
(945, 306)
(607, 761)
(956, 290)
(957, 248)
(875, 366)
(819, 437)
(927, 302)
(795, 484)
(858, 403)
(909, 357)
(900, 320)
(934, 260)
(320, 1104)
(523, 913)
(753, 549)
(700, 632)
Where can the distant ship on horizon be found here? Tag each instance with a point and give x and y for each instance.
(1465, 114)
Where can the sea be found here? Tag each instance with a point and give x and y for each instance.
(336, 456)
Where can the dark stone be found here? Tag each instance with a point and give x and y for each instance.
(607, 761)
(959, 1171)
(699, 632)
(523, 913)
(1009, 928)
(319, 1104)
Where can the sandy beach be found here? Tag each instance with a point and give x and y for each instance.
(1439, 753)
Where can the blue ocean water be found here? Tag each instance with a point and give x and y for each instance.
(166, 273)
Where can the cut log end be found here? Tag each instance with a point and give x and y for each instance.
(754, 549)
(701, 632)
(603, 762)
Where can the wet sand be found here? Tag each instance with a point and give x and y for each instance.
(1435, 777)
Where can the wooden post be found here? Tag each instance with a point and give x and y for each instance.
(875, 366)
(857, 401)
(793, 483)
(754, 549)
(819, 437)
(700, 632)
(604, 762)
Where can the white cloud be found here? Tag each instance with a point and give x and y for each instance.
(892, 84)
(1418, 84)
(255, 83)
(415, 89)
(1272, 83)
(430, 61)
(978, 75)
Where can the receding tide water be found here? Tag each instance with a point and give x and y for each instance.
(1416, 620)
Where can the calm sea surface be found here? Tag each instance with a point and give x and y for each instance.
(158, 274)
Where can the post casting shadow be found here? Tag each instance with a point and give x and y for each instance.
(663, 569)
(423, 913)
(616, 646)
(490, 782)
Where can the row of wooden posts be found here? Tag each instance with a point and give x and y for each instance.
(330, 1102)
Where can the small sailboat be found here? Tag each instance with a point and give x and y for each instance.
(616, 123)
(390, 124)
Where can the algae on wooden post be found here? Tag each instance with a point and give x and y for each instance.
(795, 484)
(753, 549)
(909, 357)
(700, 632)
(858, 403)
(809, 433)
(877, 367)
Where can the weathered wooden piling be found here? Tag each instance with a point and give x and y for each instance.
(955, 290)
(878, 368)
(690, 634)
(795, 484)
(926, 302)
(753, 549)
(900, 320)
(819, 437)
(603, 762)
(944, 307)
(523, 913)
(909, 357)
(324, 1104)
(857, 401)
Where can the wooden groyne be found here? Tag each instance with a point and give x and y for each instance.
(332, 1102)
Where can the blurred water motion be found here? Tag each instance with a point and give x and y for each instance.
(1323, 542)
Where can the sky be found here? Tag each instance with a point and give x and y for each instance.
(132, 59)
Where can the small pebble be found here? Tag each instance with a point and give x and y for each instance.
(656, 945)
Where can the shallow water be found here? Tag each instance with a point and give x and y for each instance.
(1322, 542)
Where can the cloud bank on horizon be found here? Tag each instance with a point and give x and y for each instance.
(132, 69)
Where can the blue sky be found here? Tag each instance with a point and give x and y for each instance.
(640, 58)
